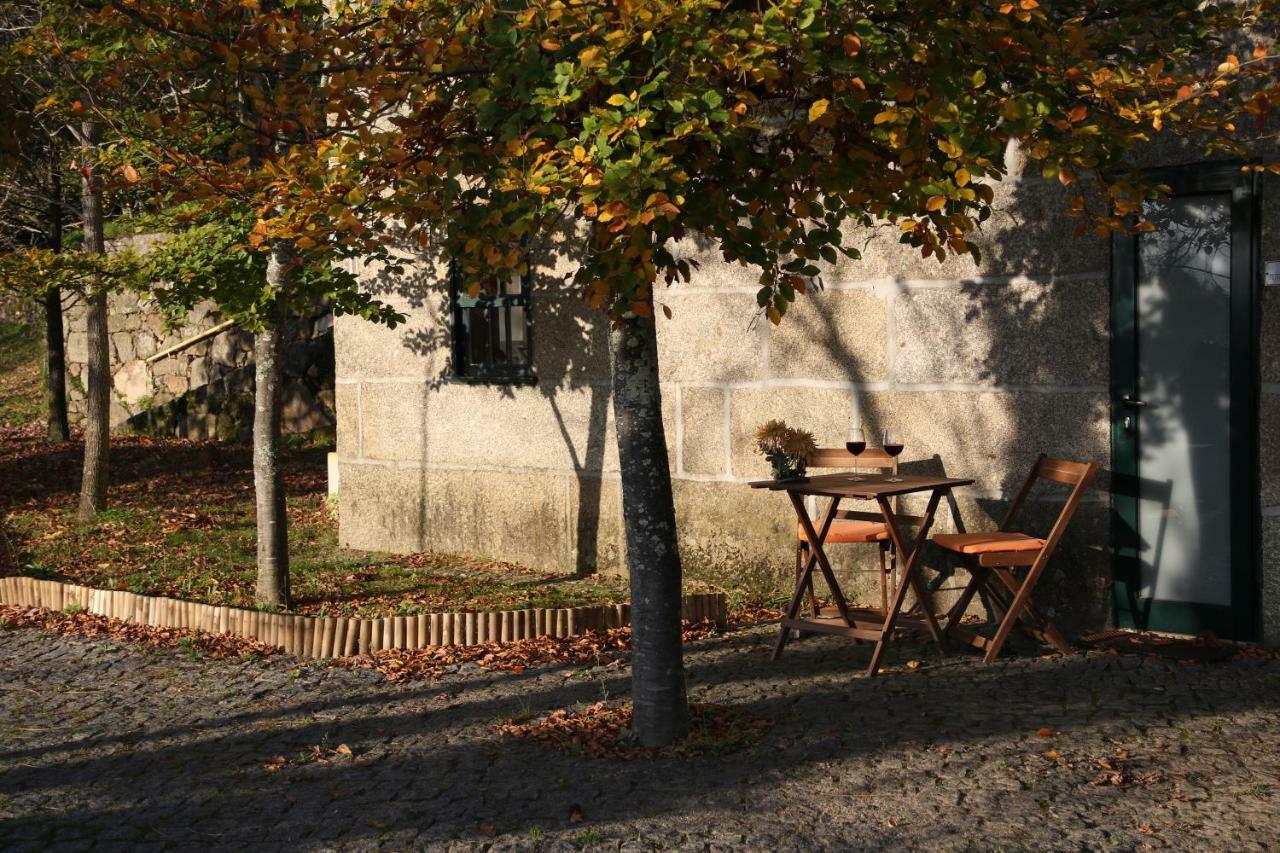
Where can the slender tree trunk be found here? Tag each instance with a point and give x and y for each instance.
(273, 529)
(55, 381)
(657, 662)
(268, 481)
(97, 404)
(57, 428)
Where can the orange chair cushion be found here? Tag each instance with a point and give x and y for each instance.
(987, 543)
(851, 530)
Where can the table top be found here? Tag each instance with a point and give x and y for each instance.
(870, 487)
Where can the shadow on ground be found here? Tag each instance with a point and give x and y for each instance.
(111, 746)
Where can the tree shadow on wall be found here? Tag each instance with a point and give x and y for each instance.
(1046, 337)
(569, 353)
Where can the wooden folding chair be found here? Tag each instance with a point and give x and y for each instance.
(993, 557)
(853, 527)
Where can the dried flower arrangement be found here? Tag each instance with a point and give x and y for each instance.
(787, 449)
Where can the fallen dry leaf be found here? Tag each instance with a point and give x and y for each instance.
(1117, 771)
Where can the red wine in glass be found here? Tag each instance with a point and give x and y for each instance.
(856, 445)
(893, 445)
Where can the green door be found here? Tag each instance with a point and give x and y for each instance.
(1184, 385)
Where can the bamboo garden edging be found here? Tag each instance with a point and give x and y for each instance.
(342, 636)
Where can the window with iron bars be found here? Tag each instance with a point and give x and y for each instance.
(492, 332)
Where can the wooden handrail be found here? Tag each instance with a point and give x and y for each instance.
(211, 332)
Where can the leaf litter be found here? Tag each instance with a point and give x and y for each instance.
(93, 626)
(593, 648)
(603, 730)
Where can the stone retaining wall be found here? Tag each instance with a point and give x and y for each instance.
(26, 312)
(203, 391)
(331, 637)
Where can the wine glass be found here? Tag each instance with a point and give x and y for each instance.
(856, 444)
(893, 446)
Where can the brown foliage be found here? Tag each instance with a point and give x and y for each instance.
(214, 646)
(604, 731)
(593, 648)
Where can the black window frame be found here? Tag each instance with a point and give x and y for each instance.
(462, 369)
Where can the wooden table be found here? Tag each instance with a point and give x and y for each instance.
(862, 623)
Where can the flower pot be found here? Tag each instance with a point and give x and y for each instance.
(784, 468)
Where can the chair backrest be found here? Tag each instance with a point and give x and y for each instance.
(1077, 475)
(838, 457)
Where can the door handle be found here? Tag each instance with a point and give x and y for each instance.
(1135, 403)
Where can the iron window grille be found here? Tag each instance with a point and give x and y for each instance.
(492, 332)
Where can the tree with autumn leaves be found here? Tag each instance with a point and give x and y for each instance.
(55, 84)
(768, 128)
(240, 97)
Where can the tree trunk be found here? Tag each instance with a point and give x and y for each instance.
(97, 404)
(55, 381)
(273, 529)
(57, 428)
(657, 663)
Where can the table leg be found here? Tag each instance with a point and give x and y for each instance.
(910, 578)
(820, 553)
(816, 557)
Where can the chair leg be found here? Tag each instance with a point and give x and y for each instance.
(1033, 614)
(893, 566)
(884, 581)
(802, 551)
(977, 577)
(1021, 599)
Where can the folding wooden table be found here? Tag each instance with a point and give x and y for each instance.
(862, 623)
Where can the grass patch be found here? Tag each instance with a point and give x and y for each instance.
(21, 374)
(181, 524)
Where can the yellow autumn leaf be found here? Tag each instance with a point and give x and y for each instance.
(617, 100)
(962, 177)
(935, 202)
(886, 116)
(818, 109)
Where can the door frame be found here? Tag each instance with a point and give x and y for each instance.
(1240, 619)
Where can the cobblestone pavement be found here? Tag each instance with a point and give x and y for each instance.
(109, 746)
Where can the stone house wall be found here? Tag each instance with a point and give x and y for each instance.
(980, 365)
(205, 390)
